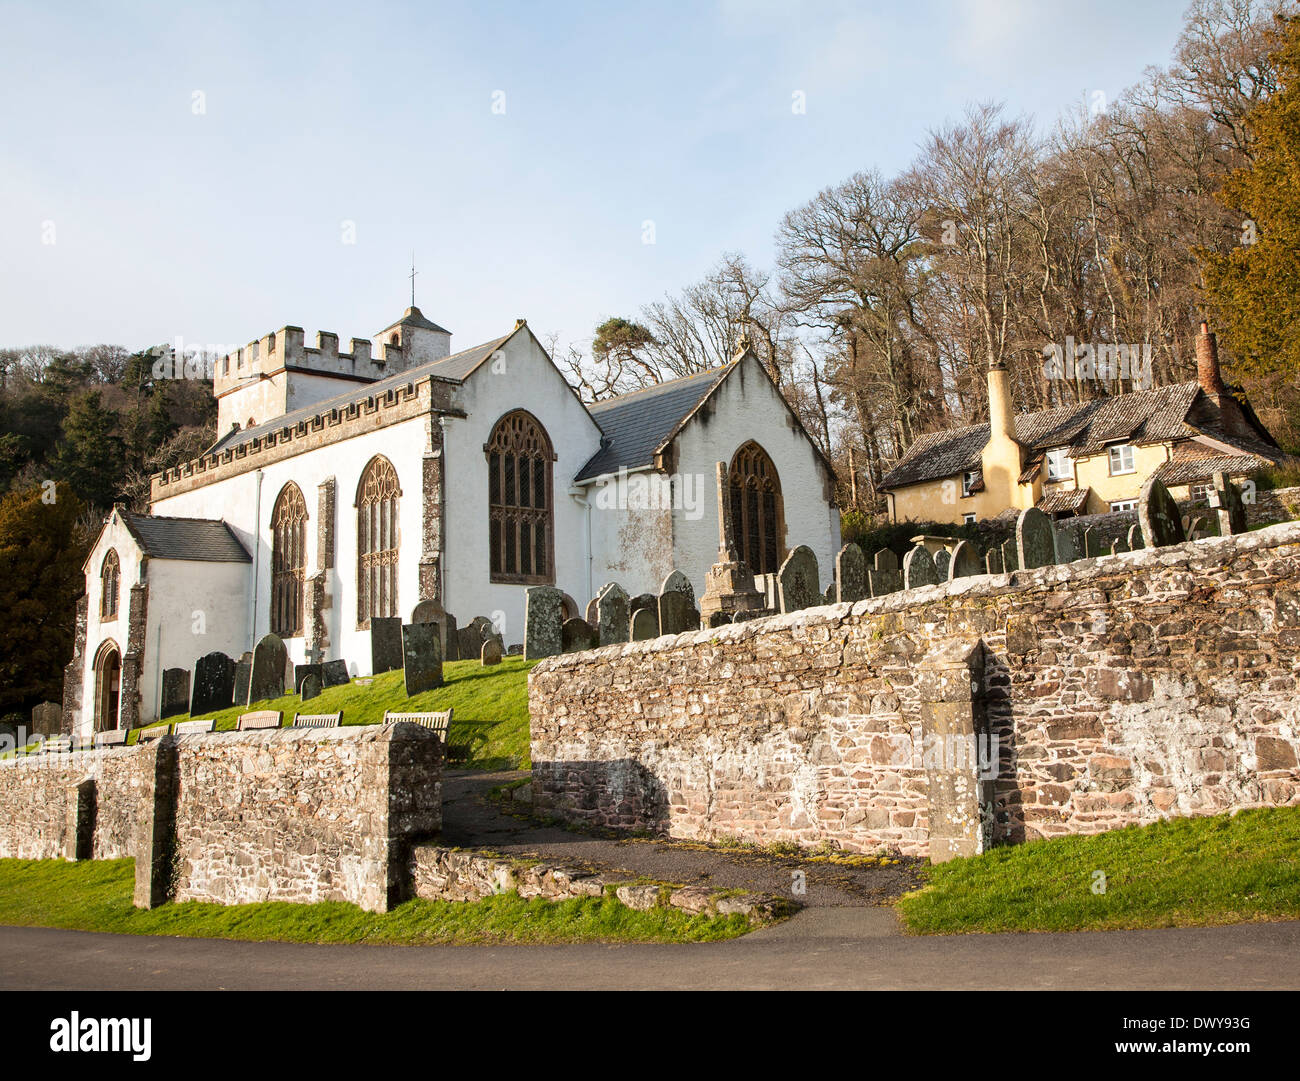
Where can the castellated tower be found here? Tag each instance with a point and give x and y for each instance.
(279, 373)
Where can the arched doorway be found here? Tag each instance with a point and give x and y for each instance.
(108, 686)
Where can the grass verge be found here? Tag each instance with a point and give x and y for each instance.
(1184, 872)
(96, 896)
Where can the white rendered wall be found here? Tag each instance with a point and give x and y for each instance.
(117, 537)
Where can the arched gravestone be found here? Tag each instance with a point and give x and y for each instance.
(1158, 516)
(543, 634)
(676, 613)
(966, 562)
(1120, 545)
(590, 614)
(270, 665)
(214, 684)
(1135, 538)
(645, 624)
(490, 654)
(850, 574)
(311, 687)
(677, 582)
(1035, 542)
(431, 611)
(797, 581)
(613, 617)
(919, 569)
(578, 635)
(942, 561)
(885, 577)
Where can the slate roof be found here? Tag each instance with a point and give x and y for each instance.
(636, 425)
(1198, 470)
(1147, 416)
(203, 539)
(413, 317)
(1065, 502)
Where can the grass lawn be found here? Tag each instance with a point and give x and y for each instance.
(491, 708)
(96, 896)
(1185, 872)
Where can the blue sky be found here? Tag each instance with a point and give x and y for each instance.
(222, 224)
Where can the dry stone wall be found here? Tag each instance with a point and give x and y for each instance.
(1115, 690)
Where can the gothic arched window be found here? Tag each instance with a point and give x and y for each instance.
(520, 497)
(757, 514)
(110, 575)
(377, 541)
(288, 561)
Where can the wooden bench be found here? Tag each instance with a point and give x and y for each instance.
(258, 719)
(439, 722)
(148, 735)
(194, 728)
(111, 737)
(318, 720)
(57, 744)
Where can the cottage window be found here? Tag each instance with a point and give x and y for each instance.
(1121, 459)
(1058, 464)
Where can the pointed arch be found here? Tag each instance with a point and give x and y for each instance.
(288, 561)
(757, 509)
(378, 541)
(110, 585)
(521, 493)
(108, 685)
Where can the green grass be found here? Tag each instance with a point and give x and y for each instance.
(1185, 872)
(491, 708)
(96, 896)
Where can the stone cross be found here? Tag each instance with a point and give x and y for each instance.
(1225, 498)
(727, 551)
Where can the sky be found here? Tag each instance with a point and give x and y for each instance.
(214, 171)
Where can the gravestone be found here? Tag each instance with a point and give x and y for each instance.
(175, 692)
(797, 581)
(302, 671)
(719, 619)
(516, 649)
(993, 560)
(334, 673)
(677, 582)
(1158, 516)
(1225, 499)
(590, 614)
(1010, 557)
(421, 657)
(645, 624)
(543, 635)
(1135, 538)
(1120, 545)
(214, 684)
(243, 674)
(613, 617)
(850, 574)
(385, 644)
(676, 613)
(1091, 543)
(310, 687)
(966, 562)
(884, 576)
(270, 665)
(474, 635)
(1067, 543)
(451, 639)
(578, 635)
(1196, 528)
(1035, 543)
(47, 719)
(832, 594)
(643, 600)
(942, 561)
(919, 569)
(490, 654)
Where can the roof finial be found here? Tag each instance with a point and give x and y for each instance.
(413, 273)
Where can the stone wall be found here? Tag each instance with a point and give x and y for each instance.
(1120, 689)
(234, 817)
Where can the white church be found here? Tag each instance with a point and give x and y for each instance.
(350, 485)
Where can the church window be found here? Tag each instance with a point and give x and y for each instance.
(757, 511)
(110, 582)
(520, 499)
(288, 561)
(377, 541)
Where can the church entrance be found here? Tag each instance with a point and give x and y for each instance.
(108, 686)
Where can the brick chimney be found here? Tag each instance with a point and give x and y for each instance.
(1207, 364)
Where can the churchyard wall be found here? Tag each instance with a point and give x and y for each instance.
(235, 817)
(1120, 689)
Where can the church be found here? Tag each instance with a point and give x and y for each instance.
(400, 479)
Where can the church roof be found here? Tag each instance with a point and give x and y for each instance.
(413, 317)
(206, 540)
(637, 425)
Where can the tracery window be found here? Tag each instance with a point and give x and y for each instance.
(757, 512)
(377, 541)
(520, 501)
(110, 575)
(288, 561)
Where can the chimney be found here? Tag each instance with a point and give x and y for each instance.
(1207, 364)
(1002, 420)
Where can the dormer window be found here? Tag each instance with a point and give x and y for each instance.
(970, 482)
(1058, 464)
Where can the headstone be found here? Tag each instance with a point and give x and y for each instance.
(797, 581)
(1067, 543)
(645, 624)
(1225, 498)
(613, 617)
(1196, 528)
(310, 687)
(850, 574)
(1035, 544)
(214, 684)
(175, 692)
(451, 638)
(543, 636)
(516, 649)
(578, 635)
(719, 619)
(421, 657)
(966, 562)
(942, 561)
(490, 654)
(243, 675)
(677, 582)
(1091, 543)
(643, 600)
(590, 614)
(919, 569)
(1158, 516)
(831, 595)
(676, 613)
(432, 611)
(385, 644)
(302, 671)
(1120, 545)
(1135, 538)
(334, 673)
(1010, 557)
(472, 636)
(993, 560)
(47, 719)
(884, 576)
(270, 664)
